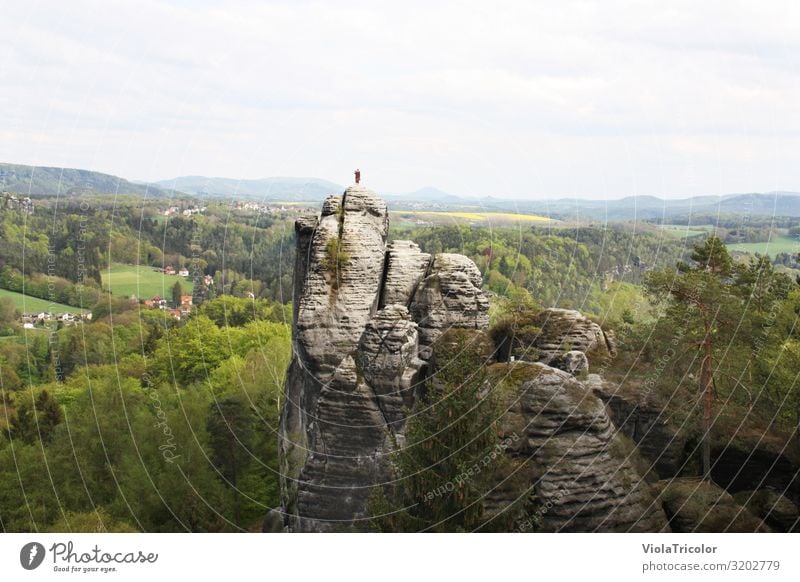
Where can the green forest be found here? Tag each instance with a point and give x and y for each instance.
(137, 420)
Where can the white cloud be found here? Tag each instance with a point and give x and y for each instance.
(601, 99)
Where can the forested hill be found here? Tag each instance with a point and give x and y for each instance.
(651, 208)
(51, 181)
(46, 181)
(284, 189)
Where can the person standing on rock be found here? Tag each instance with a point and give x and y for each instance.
(358, 176)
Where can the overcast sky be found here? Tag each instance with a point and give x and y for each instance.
(529, 100)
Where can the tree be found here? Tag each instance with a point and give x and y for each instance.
(760, 285)
(110, 306)
(36, 419)
(8, 316)
(230, 433)
(9, 379)
(189, 353)
(177, 291)
(699, 296)
(712, 256)
(449, 433)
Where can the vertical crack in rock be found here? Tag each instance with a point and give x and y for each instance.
(406, 266)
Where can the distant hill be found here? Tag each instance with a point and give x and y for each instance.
(786, 204)
(427, 194)
(285, 189)
(45, 181)
(774, 203)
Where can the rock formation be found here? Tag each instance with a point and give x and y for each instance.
(450, 296)
(562, 338)
(566, 330)
(366, 317)
(365, 314)
(583, 473)
(697, 506)
(777, 511)
(661, 444)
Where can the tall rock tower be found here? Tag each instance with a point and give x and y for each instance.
(365, 314)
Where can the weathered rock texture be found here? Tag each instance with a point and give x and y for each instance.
(449, 296)
(696, 506)
(366, 315)
(777, 511)
(582, 473)
(406, 266)
(566, 330)
(364, 312)
(562, 338)
(660, 443)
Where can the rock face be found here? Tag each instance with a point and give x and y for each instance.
(566, 330)
(661, 444)
(747, 463)
(581, 472)
(778, 512)
(695, 506)
(388, 359)
(449, 296)
(364, 313)
(406, 266)
(575, 362)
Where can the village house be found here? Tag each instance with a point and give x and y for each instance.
(156, 302)
(30, 320)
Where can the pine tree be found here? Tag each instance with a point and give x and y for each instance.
(700, 296)
(444, 470)
(230, 432)
(177, 291)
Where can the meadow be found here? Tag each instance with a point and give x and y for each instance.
(28, 304)
(142, 281)
(684, 231)
(779, 244)
(460, 217)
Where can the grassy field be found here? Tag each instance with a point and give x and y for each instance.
(779, 244)
(683, 231)
(467, 217)
(142, 281)
(27, 304)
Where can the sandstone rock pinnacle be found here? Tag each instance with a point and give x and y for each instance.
(362, 311)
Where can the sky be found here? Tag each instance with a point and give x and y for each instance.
(524, 100)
